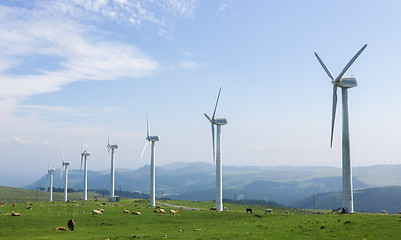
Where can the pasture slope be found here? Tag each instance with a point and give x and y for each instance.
(39, 221)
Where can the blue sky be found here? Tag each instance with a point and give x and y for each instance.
(77, 68)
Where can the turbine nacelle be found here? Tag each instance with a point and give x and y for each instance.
(153, 138)
(66, 163)
(86, 154)
(51, 170)
(114, 146)
(347, 82)
(219, 121)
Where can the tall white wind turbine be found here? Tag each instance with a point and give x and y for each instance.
(111, 147)
(84, 155)
(152, 139)
(50, 172)
(64, 166)
(217, 154)
(344, 83)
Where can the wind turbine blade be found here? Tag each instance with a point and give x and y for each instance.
(218, 96)
(61, 173)
(333, 113)
(108, 145)
(214, 151)
(324, 67)
(350, 63)
(143, 150)
(62, 158)
(82, 158)
(147, 125)
(208, 118)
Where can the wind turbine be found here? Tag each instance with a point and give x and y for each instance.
(84, 155)
(344, 84)
(217, 154)
(152, 139)
(65, 165)
(111, 147)
(50, 172)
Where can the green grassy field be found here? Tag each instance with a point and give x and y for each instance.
(235, 223)
(8, 194)
(38, 222)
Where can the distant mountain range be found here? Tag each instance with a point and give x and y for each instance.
(196, 181)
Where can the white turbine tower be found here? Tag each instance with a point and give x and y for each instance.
(217, 154)
(112, 147)
(65, 165)
(344, 84)
(152, 139)
(50, 172)
(84, 155)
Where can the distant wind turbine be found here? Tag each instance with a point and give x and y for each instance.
(344, 84)
(50, 172)
(217, 154)
(152, 139)
(65, 165)
(84, 155)
(111, 147)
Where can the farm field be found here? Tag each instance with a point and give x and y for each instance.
(39, 222)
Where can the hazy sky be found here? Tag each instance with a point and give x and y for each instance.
(77, 68)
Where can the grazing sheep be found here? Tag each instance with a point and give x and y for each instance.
(268, 211)
(71, 225)
(248, 210)
(173, 212)
(213, 209)
(60, 228)
(287, 212)
(102, 210)
(97, 212)
(136, 213)
(383, 211)
(15, 214)
(126, 211)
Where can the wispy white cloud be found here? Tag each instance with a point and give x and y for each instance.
(188, 65)
(227, 10)
(79, 49)
(22, 141)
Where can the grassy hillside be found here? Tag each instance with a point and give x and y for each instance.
(235, 223)
(365, 200)
(8, 194)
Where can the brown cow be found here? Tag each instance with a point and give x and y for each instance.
(173, 212)
(60, 228)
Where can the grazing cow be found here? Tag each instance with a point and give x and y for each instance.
(268, 211)
(249, 210)
(60, 228)
(102, 210)
(136, 213)
(213, 209)
(126, 211)
(156, 211)
(15, 214)
(71, 225)
(383, 211)
(161, 210)
(173, 212)
(29, 207)
(287, 212)
(14, 205)
(181, 207)
(97, 212)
